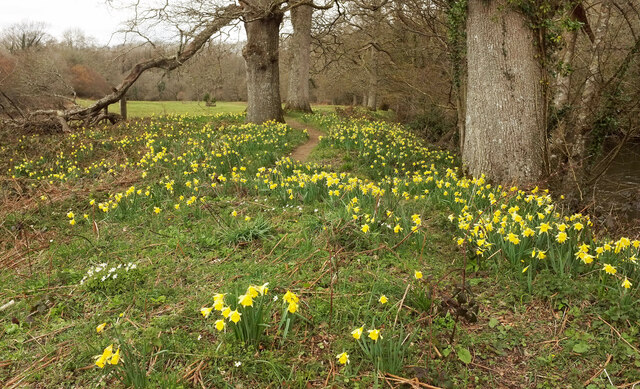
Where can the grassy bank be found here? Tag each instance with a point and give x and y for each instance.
(141, 236)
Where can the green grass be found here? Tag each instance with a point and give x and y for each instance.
(138, 109)
(242, 231)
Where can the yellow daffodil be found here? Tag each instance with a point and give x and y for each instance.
(245, 300)
(609, 269)
(343, 358)
(206, 311)
(561, 237)
(293, 307)
(383, 299)
(225, 312)
(219, 324)
(374, 335)
(290, 297)
(252, 291)
(417, 274)
(357, 333)
(218, 297)
(365, 228)
(263, 289)
(100, 327)
(115, 358)
(234, 316)
(106, 354)
(626, 283)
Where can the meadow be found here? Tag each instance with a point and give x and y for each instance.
(141, 109)
(190, 251)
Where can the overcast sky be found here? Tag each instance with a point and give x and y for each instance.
(93, 17)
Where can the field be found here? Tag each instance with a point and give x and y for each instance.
(140, 109)
(189, 251)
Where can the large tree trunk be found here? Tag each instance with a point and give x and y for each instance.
(504, 130)
(298, 94)
(263, 73)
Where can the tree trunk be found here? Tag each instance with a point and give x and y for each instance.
(298, 95)
(372, 95)
(263, 74)
(563, 80)
(504, 130)
(577, 138)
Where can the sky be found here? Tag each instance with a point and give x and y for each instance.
(94, 17)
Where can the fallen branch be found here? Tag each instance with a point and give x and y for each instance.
(94, 113)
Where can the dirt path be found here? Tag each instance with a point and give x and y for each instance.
(301, 153)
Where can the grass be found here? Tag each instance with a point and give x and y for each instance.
(225, 210)
(140, 109)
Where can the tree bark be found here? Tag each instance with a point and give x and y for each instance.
(372, 95)
(563, 80)
(577, 138)
(261, 55)
(298, 93)
(504, 127)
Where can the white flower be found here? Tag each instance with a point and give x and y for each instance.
(237, 364)
(115, 276)
(275, 297)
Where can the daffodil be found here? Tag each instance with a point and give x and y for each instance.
(245, 300)
(626, 283)
(219, 324)
(374, 335)
(290, 297)
(100, 327)
(115, 358)
(263, 289)
(417, 274)
(357, 333)
(106, 354)
(609, 269)
(218, 297)
(206, 311)
(293, 307)
(383, 299)
(365, 228)
(234, 316)
(343, 358)
(252, 291)
(225, 312)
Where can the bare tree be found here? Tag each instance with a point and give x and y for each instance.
(24, 36)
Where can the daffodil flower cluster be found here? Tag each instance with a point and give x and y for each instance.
(108, 357)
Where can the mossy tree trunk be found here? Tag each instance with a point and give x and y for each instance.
(504, 129)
